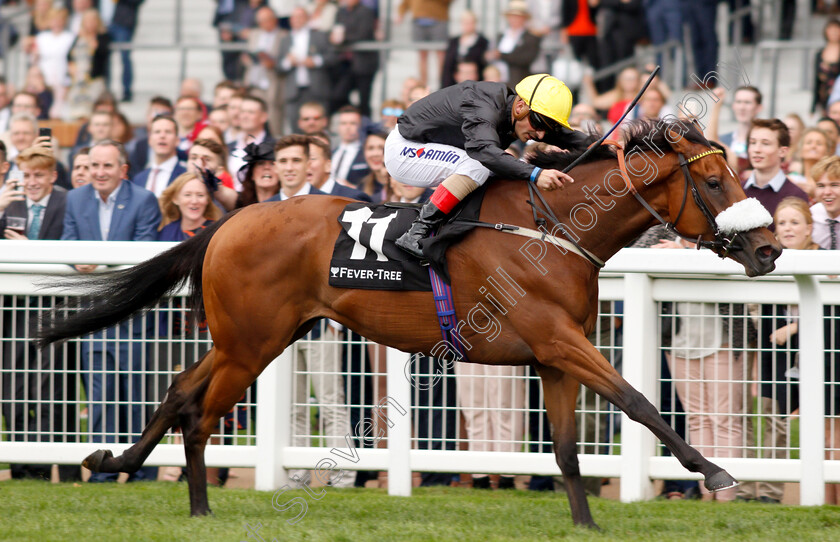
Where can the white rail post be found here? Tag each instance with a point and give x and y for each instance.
(274, 422)
(399, 435)
(812, 391)
(639, 369)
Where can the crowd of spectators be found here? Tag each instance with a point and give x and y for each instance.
(266, 135)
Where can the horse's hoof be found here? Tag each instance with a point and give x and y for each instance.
(719, 481)
(94, 460)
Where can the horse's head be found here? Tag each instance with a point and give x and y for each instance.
(706, 202)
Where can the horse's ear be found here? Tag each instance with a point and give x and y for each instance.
(675, 135)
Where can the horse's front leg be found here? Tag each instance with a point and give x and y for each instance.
(573, 354)
(561, 393)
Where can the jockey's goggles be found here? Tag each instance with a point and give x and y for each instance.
(541, 122)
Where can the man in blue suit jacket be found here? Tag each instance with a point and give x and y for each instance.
(111, 208)
(320, 165)
(348, 160)
(291, 165)
(165, 165)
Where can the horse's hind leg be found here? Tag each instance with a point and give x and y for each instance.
(225, 385)
(561, 393)
(194, 444)
(164, 417)
(574, 355)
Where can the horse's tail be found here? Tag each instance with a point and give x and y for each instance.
(116, 295)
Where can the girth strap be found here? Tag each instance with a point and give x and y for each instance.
(535, 234)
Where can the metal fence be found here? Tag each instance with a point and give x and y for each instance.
(338, 396)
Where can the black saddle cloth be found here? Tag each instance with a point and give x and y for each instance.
(365, 256)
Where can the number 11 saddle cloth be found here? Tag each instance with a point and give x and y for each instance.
(365, 256)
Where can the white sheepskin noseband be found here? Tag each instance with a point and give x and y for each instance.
(744, 215)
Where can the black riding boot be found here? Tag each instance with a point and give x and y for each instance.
(430, 216)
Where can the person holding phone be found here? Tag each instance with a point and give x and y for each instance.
(38, 397)
(32, 200)
(12, 192)
(24, 133)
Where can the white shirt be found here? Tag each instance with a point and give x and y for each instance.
(701, 331)
(465, 42)
(52, 56)
(283, 8)
(75, 23)
(305, 189)
(300, 50)
(821, 234)
(328, 186)
(5, 115)
(106, 210)
(509, 40)
(342, 159)
(775, 183)
(257, 74)
(264, 41)
(11, 154)
(243, 140)
(106, 11)
(157, 183)
(325, 20)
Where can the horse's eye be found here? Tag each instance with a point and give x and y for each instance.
(713, 184)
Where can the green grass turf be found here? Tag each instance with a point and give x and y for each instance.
(36, 511)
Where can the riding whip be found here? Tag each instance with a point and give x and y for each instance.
(611, 130)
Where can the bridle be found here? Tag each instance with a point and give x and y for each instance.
(721, 244)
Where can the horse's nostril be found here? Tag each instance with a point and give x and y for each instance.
(767, 252)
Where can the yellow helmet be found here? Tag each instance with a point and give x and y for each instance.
(547, 96)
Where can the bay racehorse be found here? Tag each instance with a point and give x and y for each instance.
(261, 278)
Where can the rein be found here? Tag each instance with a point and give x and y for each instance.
(721, 244)
(547, 213)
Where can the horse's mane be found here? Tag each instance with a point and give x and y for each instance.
(639, 133)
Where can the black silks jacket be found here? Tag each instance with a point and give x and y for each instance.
(475, 116)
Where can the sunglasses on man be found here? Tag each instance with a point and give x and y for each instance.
(541, 122)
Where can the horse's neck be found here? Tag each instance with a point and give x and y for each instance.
(618, 217)
(622, 222)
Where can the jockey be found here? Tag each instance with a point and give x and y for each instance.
(457, 136)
